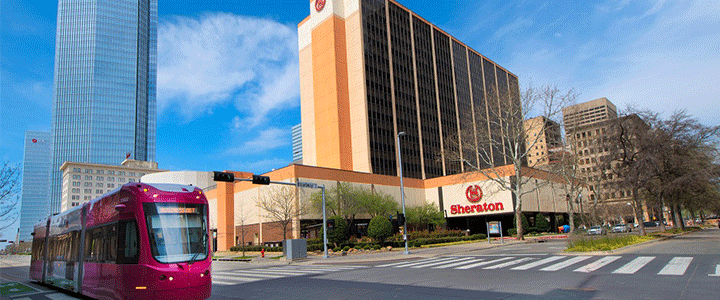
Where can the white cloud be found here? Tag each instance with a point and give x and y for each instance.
(221, 58)
(661, 56)
(268, 139)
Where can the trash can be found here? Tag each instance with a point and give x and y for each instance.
(566, 228)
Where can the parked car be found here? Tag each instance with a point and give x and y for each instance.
(622, 228)
(597, 230)
(650, 224)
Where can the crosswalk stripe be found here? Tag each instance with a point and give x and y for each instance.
(293, 272)
(507, 264)
(402, 263)
(458, 263)
(676, 266)
(597, 264)
(252, 274)
(475, 265)
(634, 265)
(222, 282)
(566, 263)
(440, 263)
(539, 262)
(234, 279)
(419, 263)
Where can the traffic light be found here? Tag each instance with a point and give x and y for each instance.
(224, 177)
(257, 179)
(331, 223)
(401, 219)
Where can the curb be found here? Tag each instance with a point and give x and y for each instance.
(630, 247)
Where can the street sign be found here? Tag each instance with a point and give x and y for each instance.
(307, 185)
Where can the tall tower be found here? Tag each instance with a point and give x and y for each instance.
(370, 69)
(35, 176)
(105, 75)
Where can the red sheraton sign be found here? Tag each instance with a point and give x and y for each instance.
(476, 208)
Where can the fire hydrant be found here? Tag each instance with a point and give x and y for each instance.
(262, 253)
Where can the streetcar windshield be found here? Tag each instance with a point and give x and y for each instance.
(177, 231)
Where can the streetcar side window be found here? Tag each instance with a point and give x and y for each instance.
(128, 243)
(37, 248)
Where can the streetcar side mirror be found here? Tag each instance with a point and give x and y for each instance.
(120, 207)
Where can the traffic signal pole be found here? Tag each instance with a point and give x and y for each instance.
(265, 180)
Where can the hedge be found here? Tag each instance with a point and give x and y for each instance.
(257, 248)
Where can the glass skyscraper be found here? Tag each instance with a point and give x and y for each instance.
(35, 176)
(105, 74)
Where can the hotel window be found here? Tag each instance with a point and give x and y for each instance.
(111, 179)
(131, 173)
(76, 170)
(111, 172)
(88, 191)
(98, 184)
(98, 191)
(76, 183)
(88, 177)
(100, 178)
(100, 171)
(88, 171)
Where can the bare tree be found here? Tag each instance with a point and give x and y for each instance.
(9, 188)
(241, 218)
(499, 141)
(282, 205)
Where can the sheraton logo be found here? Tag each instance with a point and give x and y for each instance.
(319, 4)
(474, 194)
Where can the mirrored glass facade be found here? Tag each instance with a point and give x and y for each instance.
(35, 177)
(105, 75)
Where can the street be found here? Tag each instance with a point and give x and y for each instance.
(684, 267)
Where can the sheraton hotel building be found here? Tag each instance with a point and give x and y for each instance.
(370, 69)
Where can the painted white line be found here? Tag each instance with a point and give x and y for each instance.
(510, 263)
(235, 278)
(634, 265)
(475, 265)
(566, 263)
(60, 296)
(539, 262)
(420, 263)
(676, 266)
(440, 263)
(459, 263)
(251, 274)
(403, 262)
(597, 264)
(222, 282)
(294, 272)
(717, 271)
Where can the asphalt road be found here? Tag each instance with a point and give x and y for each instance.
(685, 267)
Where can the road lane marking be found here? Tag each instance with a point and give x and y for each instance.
(420, 263)
(676, 266)
(475, 265)
(566, 263)
(597, 264)
(459, 263)
(717, 271)
(539, 262)
(253, 274)
(440, 263)
(403, 262)
(510, 263)
(634, 265)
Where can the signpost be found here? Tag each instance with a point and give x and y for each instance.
(494, 227)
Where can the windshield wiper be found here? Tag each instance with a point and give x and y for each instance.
(192, 260)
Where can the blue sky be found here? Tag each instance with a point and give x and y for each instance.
(228, 90)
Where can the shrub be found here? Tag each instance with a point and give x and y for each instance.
(525, 223)
(337, 249)
(541, 223)
(512, 231)
(346, 248)
(380, 228)
(340, 233)
(376, 247)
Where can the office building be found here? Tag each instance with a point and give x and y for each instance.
(297, 143)
(105, 75)
(371, 69)
(83, 182)
(542, 137)
(368, 71)
(35, 176)
(587, 113)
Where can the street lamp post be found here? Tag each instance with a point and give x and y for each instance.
(402, 190)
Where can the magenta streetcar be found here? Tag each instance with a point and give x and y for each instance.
(140, 241)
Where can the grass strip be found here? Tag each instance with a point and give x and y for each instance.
(607, 243)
